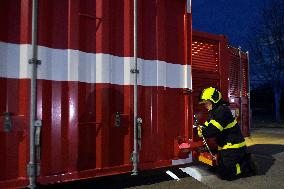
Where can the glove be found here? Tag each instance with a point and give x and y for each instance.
(199, 131)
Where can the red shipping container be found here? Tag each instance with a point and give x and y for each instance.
(85, 87)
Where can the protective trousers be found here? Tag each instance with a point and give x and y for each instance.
(233, 163)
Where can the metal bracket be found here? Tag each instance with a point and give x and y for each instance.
(139, 131)
(134, 71)
(34, 61)
(187, 91)
(30, 170)
(135, 157)
(38, 125)
(7, 121)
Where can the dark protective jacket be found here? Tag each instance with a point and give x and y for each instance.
(222, 125)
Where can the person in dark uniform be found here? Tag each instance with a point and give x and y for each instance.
(234, 161)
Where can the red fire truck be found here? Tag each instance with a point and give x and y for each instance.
(95, 88)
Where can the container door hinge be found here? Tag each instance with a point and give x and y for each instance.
(134, 71)
(34, 61)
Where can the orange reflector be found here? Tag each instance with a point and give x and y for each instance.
(205, 160)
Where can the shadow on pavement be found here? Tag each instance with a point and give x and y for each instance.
(122, 180)
(264, 155)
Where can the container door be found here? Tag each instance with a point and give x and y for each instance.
(84, 90)
(234, 82)
(239, 89)
(13, 129)
(14, 93)
(245, 95)
(164, 74)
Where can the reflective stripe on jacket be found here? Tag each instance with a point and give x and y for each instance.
(222, 125)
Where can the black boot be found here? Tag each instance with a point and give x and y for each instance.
(251, 164)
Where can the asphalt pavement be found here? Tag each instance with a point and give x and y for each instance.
(267, 146)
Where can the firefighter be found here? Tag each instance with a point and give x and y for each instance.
(234, 159)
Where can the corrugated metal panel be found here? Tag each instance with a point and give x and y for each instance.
(235, 75)
(79, 137)
(245, 74)
(14, 96)
(205, 66)
(234, 83)
(205, 55)
(13, 144)
(245, 91)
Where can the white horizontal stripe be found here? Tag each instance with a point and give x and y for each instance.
(74, 65)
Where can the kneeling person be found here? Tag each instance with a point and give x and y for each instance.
(235, 161)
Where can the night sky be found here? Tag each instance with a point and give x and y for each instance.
(238, 20)
(233, 18)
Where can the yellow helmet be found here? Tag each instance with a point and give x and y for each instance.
(211, 94)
